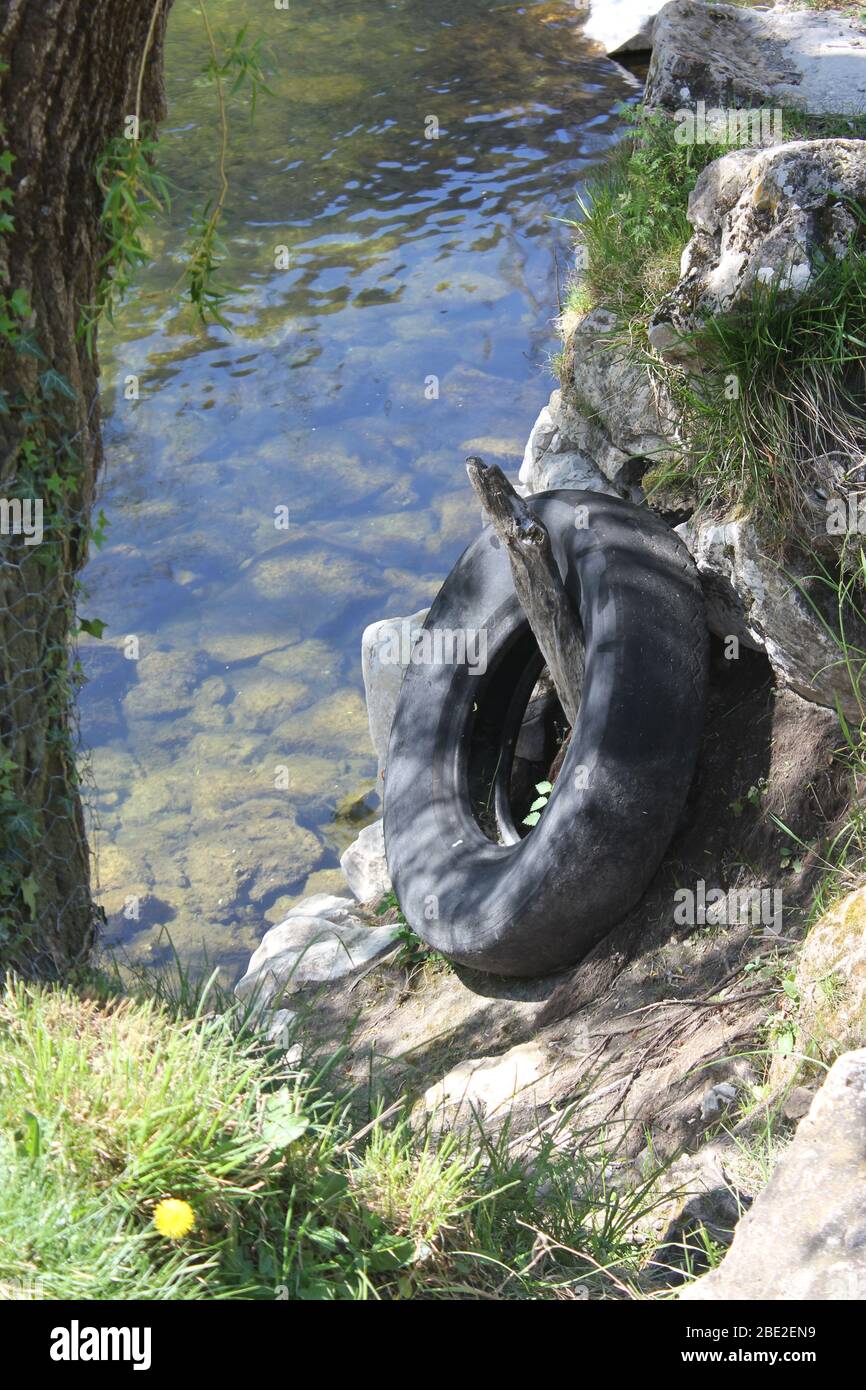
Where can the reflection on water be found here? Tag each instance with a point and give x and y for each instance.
(411, 327)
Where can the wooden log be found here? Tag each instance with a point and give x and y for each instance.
(543, 597)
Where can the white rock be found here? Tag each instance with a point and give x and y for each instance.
(386, 646)
(365, 866)
(489, 1083)
(549, 460)
(760, 215)
(337, 910)
(716, 1099)
(303, 951)
(622, 26)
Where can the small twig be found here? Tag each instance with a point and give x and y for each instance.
(147, 43)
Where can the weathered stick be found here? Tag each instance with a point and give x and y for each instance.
(549, 610)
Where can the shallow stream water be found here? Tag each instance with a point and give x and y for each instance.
(413, 325)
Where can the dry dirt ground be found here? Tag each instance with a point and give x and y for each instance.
(632, 1039)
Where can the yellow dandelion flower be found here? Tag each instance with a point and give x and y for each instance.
(173, 1218)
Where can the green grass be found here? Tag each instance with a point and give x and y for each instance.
(633, 220)
(783, 383)
(109, 1105)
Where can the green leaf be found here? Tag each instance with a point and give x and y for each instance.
(28, 893)
(19, 303)
(546, 787)
(94, 626)
(393, 1252)
(328, 1238)
(54, 384)
(539, 804)
(282, 1124)
(532, 819)
(31, 1142)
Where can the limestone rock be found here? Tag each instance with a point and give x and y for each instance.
(304, 951)
(336, 909)
(609, 409)
(728, 56)
(365, 866)
(550, 461)
(752, 598)
(771, 216)
(622, 26)
(487, 1085)
(805, 1235)
(385, 650)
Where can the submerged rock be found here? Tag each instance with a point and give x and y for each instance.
(805, 1235)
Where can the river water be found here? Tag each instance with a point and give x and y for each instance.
(412, 325)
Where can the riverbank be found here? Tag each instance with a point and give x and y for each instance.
(367, 1121)
(708, 273)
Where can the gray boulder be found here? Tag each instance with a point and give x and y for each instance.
(386, 647)
(608, 411)
(365, 866)
(805, 1236)
(550, 461)
(304, 950)
(728, 56)
(771, 216)
(751, 597)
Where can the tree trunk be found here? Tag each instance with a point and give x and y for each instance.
(69, 75)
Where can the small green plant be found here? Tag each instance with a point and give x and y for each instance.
(134, 193)
(412, 951)
(544, 789)
(783, 383)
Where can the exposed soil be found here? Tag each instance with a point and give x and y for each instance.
(660, 1010)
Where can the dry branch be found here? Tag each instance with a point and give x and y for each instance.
(543, 597)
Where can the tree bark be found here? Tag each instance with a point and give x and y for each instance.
(70, 72)
(543, 597)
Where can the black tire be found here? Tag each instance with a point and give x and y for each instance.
(537, 904)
